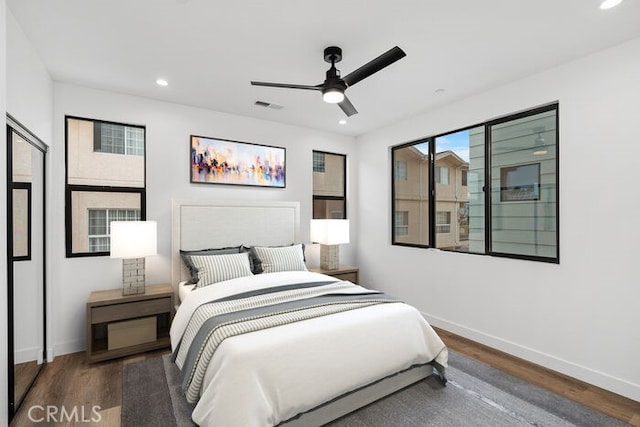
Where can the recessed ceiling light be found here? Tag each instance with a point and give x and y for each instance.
(343, 122)
(608, 4)
(162, 82)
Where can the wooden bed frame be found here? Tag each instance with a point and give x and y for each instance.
(216, 224)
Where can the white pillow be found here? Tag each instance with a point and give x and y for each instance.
(216, 268)
(283, 258)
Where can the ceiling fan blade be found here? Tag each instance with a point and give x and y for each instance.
(287, 86)
(348, 107)
(382, 61)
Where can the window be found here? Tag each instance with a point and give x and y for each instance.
(401, 170)
(524, 196)
(118, 139)
(318, 162)
(402, 223)
(498, 188)
(520, 182)
(443, 222)
(411, 208)
(100, 226)
(329, 185)
(442, 175)
(105, 181)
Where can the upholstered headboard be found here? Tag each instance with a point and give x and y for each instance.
(218, 224)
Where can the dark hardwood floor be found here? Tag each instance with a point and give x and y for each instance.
(70, 382)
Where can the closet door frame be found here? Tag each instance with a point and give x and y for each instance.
(14, 126)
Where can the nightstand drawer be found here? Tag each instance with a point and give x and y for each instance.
(128, 310)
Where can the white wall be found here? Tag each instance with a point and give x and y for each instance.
(168, 129)
(580, 317)
(28, 97)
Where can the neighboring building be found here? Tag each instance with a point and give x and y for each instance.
(411, 216)
(452, 201)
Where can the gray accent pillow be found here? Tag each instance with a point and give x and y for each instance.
(283, 258)
(218, 268)
(256, 262)
(193, 270)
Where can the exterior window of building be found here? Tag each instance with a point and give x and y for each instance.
(118, 139)
(100, 225)
(442, 175)
(318, 162)
(329, 185)
(401, 223)
(443, 222)
(502, 204)
(105, 181)
(401, 170)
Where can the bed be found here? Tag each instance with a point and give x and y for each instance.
(286, 347)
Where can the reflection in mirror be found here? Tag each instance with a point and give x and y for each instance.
(26, 263)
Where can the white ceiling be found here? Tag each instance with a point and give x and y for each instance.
(209, 50)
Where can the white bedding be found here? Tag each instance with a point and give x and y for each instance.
(184, 289)
(263, 378)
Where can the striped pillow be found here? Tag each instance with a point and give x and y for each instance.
(216, 268)
(284, 258)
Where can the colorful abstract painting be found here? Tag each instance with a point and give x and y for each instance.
(220, 161)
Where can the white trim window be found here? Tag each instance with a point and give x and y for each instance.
(442, 175)
(401, 222)
(100, 226)
(443, 222)
(119, 139)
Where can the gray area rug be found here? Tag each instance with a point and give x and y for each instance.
(476, 395)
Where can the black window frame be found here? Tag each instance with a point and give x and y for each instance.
(70, 189)
(344, 182)
(488, 250)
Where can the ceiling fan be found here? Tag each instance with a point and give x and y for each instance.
(334, 86)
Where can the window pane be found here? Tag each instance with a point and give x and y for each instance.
(318, 162)
(91, 213)
(95, 154)
(524, 181)
(329, 185)
(111, 138)
(459, 196)
(411, 195)
(134, 141)
(100, 226)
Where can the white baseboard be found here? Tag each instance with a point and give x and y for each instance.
(67, 347)
(583, 373)
(28, 355)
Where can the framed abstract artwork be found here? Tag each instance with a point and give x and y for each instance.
(222, 161)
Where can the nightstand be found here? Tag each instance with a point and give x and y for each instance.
(344, 272)
(120, 325)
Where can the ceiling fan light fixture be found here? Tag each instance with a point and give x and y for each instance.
(333, 95)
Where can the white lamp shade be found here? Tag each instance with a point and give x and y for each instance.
(330, 231)
(133, 239)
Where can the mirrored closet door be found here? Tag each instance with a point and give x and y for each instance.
(25, 260)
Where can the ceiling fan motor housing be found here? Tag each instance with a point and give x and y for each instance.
(332, 54)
